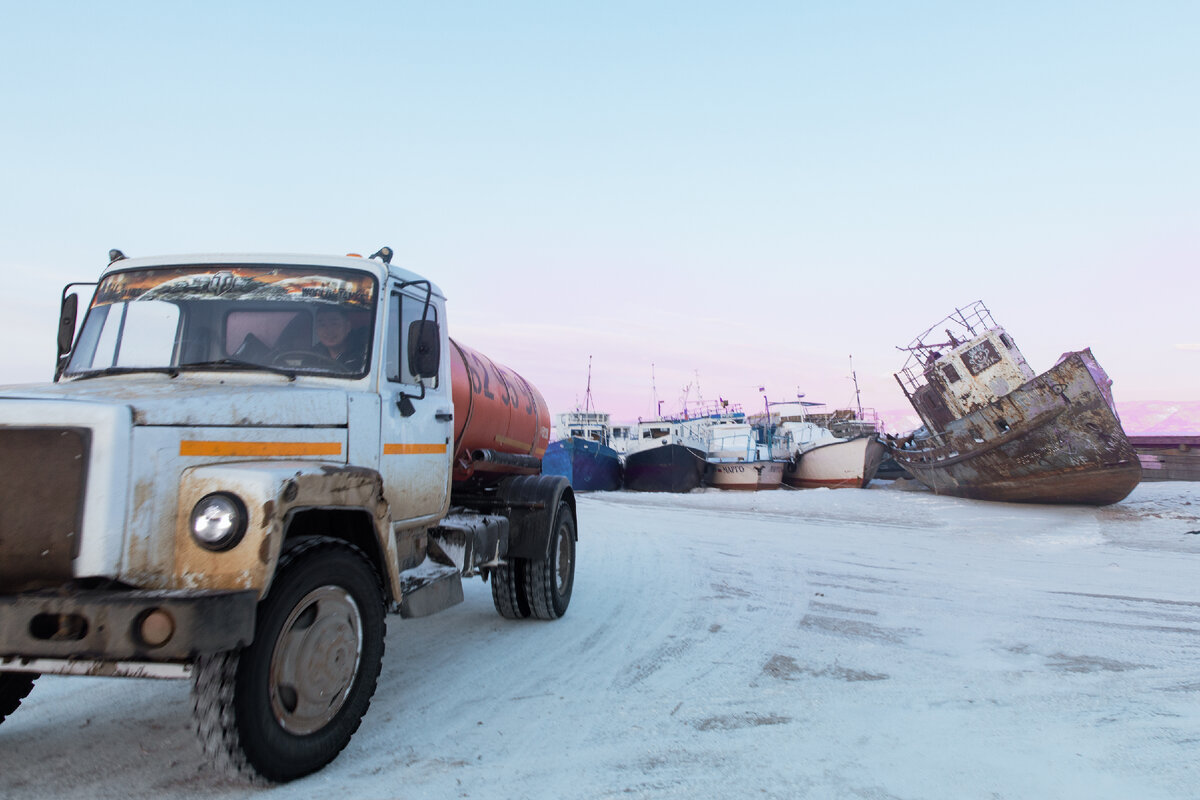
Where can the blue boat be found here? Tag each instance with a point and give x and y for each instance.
(589, 465)
(582, 452)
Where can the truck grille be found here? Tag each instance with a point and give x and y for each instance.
(43, 474)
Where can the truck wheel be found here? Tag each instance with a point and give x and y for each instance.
(286, 705)
(508, 592)
(549, 580)
(14, 687)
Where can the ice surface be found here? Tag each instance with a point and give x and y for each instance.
(884, 643)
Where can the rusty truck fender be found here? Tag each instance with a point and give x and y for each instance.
(275, 494)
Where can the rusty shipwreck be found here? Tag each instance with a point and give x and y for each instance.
(993, 430)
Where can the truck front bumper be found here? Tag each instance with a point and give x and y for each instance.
(109, 626)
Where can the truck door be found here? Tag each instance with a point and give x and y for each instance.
(416, 412)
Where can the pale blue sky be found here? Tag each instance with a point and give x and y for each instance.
(751, 191)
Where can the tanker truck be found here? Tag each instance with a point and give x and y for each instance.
(242, 466)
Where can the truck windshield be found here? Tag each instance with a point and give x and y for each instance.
(309, 320)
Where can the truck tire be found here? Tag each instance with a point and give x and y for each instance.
(287, 704)
(549, 581)
(14, 687)
(508, 589)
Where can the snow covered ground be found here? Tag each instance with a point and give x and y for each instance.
(824, 644)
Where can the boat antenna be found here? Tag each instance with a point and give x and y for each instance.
(654, 392)
(857, 396)
(769, 428)
(587, 397)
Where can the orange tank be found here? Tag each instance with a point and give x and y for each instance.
(501, 422)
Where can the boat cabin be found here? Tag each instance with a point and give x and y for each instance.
(621, 436)
(688, 433)
(591, 425)
(968, 364)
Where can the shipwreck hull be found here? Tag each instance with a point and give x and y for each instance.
(1055, 439)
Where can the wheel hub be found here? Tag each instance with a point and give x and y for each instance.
(562, 572)
(315, 660)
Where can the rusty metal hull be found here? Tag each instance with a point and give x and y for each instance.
(1054, 439)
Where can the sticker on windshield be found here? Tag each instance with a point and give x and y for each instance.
(238, 283)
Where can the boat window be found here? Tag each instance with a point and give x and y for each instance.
(1001, 424)
(951, 373)
(1008, 342)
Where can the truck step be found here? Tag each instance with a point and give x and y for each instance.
(429, 588)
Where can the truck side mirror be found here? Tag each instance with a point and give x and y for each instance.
(424, 348)
(66, 323)
(66, 331)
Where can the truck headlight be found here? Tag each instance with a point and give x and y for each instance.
(218, 521)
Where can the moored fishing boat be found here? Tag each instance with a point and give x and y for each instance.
(589, 464)
(737, 460)
(754, 476)
(822, 459)
(667, 456)
(836, 464)
(582, 451)
(993, 430)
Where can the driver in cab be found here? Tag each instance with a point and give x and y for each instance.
(338, 341)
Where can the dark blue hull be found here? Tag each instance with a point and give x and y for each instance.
(667, 468)
(588, 465)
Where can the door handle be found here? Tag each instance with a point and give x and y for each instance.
(444, 416)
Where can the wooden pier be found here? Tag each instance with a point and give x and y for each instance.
(1168, 457)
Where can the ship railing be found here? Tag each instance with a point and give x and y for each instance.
(695, 430)
(714, 410)
(964, 324)
(843, 421)
(912, 377)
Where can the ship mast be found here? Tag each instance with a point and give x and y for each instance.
(587, 397)
(654, 394)
(857, 396)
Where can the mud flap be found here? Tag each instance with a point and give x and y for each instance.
(533, 501)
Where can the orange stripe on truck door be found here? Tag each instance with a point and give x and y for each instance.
(205, 448)
(413, 449)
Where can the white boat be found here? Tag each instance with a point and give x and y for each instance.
(820, 458)
(737, 460)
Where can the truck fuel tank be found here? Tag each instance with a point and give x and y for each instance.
(501, 422)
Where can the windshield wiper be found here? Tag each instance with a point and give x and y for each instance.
(237, 363)
(97, 373)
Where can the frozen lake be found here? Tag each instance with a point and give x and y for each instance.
(884, 643)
